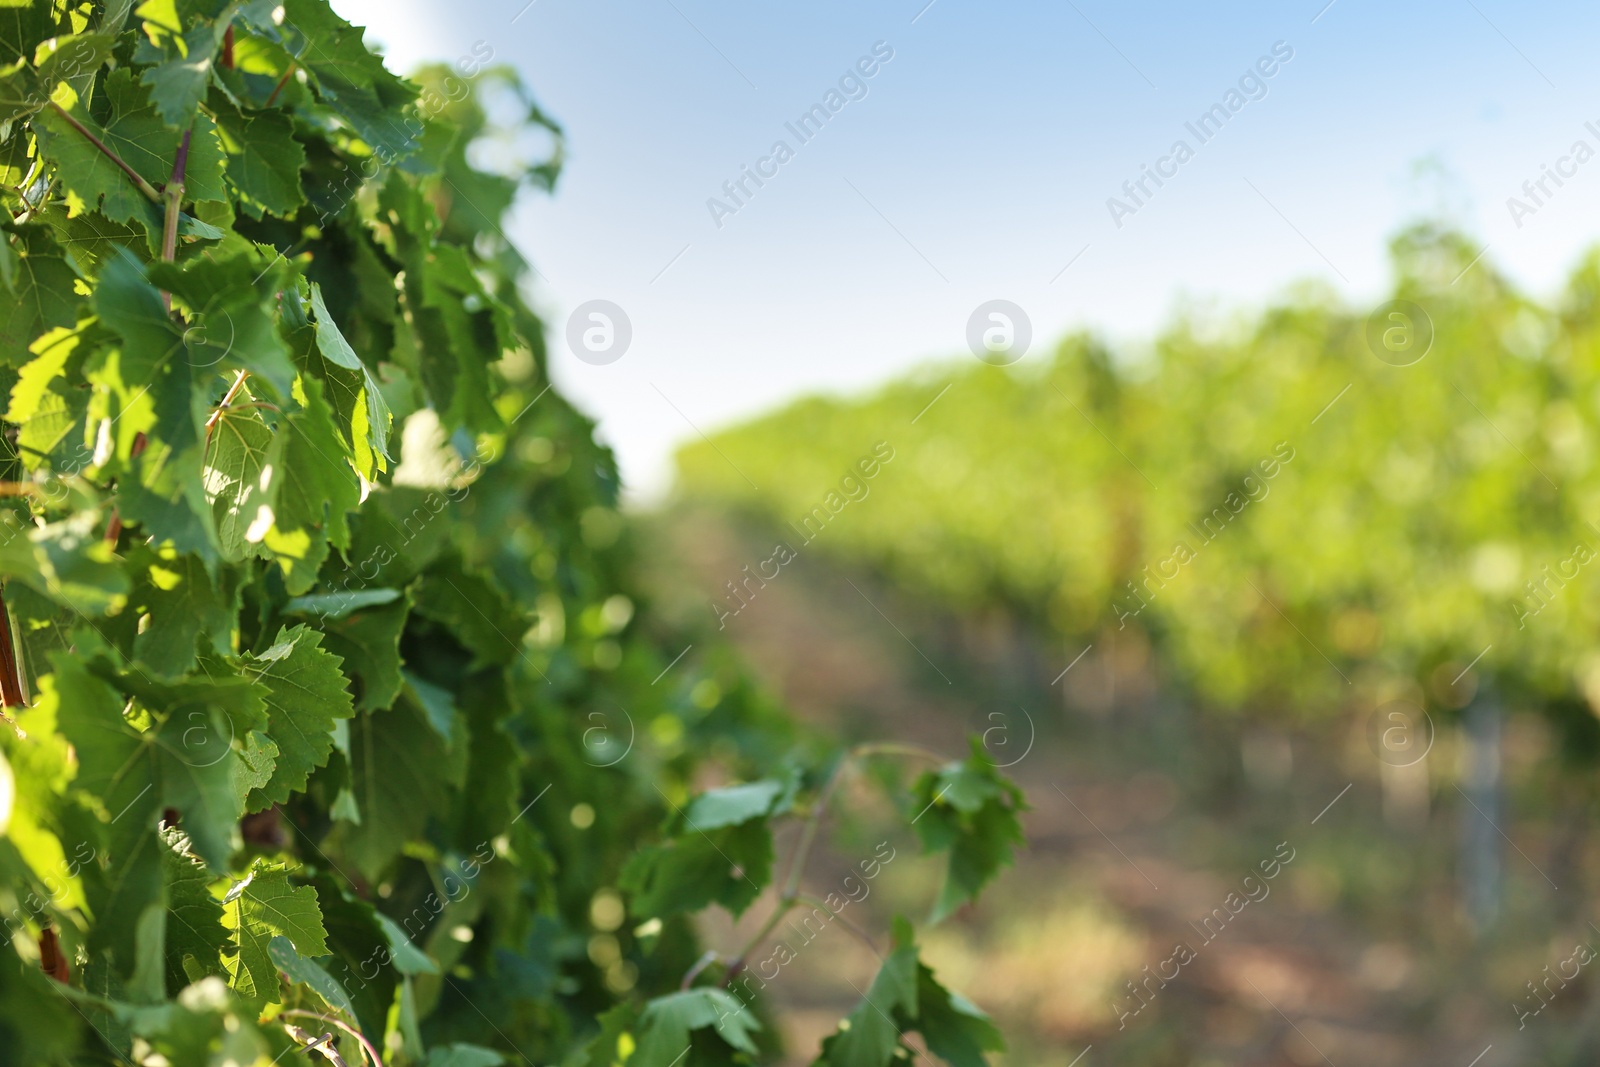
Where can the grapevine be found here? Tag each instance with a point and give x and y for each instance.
(319, 625)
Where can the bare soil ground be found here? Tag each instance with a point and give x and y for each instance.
(1143, 828)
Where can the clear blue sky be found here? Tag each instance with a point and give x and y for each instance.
(979, 164)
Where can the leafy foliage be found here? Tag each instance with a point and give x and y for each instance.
(1296, 525)
(313, 590)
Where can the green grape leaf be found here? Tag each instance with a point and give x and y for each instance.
(241, 479)
(89, 238)
(335, 606)
(349, 78)
(308, 973)
(88, 713)
(231, 295)
(369, 643)
(727, 866)
(135, 132)
(264, 160)
(179, 82)
(67, 561)
(360, 956)
(480, 617)
(183, 603)
(195, 935)
(904, 997)
(22, 26)
(666, 1023)
(459, 1055)
(44, 406)
(306, 696)
(240, 699)
(395, 776)
(407, 957)
(26, 88)
(150, 390)
(872, 1031)
(260, 907)
(258, 757)
(42, 295)
(955, 1029)
(969, 809)
(733, 805)
(320, 487)
(73, 57)
(437, 703)
(354, 390)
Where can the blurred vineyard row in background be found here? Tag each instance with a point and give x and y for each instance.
(1262, 534)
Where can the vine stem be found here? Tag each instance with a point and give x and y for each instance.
(145, 187)
(174, 197)
(865, 937)
(706, 959)
(276, 89)
(11, 692)
(322, 1043)
(813, 823)
(227, 398)
(790, 896)
(886, 748)
(366, 1046)
(785, 905)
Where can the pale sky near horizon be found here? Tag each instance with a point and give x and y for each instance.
(978, 165)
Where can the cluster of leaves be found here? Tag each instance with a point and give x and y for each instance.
(1298, 525)
(330, 719)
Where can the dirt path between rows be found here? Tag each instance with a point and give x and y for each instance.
(1132, 875)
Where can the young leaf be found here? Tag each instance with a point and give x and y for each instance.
(369, 643)
(905, 997)
(871, 1034)
(260, 907)
(264, 159)
(727, 866)
(182, 602)
(971, 811)
(195, 934)
(666, 1023)
(360, 400)
(241, 480)
(307, 972)
(41, 296)
(178, 83)
(306, 694)
(733, 805)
